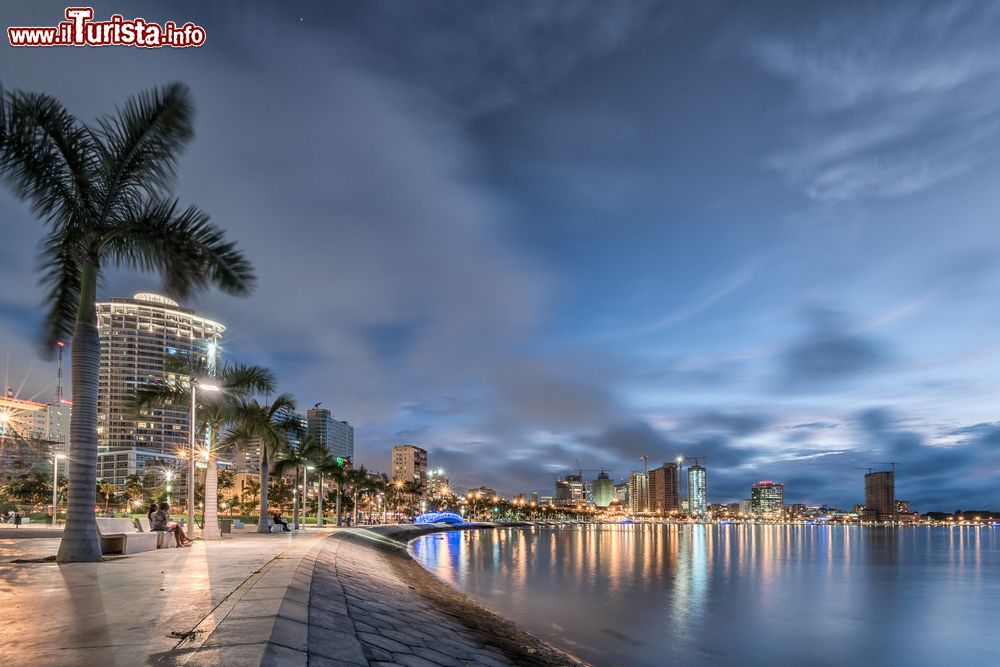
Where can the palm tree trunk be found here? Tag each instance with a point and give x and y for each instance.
(79, 542)
(354, 512)
(319, 501)
(340, 521)
(210, 520)
(298, 498)
(262, 526)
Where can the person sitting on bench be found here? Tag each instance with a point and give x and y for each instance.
(161, 521)
(278, 521)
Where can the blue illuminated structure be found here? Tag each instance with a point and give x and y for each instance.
(439, 517)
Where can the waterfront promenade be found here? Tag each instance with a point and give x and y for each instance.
(316, 597)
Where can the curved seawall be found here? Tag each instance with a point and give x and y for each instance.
(369, 602)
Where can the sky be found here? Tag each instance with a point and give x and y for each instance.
(534, 236)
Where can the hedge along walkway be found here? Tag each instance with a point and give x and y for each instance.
(369, 603)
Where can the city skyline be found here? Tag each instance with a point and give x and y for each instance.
(676, 239)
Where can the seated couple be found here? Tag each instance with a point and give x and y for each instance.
(159, 520)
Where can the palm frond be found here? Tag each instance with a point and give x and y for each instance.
(187, 250)
(140, 145)
(47, 156)
(61, 266)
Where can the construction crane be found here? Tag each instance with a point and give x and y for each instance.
(889, 463)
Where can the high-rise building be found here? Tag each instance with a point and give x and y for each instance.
(880, 496)
(697, 489)
(571, 490)
(336, 436)
(664, 488)
(437, 484)
(638, 492)
(603, 490)
(409, 464)
(767, 497)
(136, 336)
(621, 493)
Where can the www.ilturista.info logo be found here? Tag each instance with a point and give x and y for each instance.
(79, 29)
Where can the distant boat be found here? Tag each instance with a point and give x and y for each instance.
(626, 520)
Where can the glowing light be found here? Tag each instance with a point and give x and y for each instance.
(209, 387)
(439, 517)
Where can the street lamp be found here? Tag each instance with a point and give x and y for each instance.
(194, 428)
(55, 487)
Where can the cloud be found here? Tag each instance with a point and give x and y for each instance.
(895, 99)
(486, 57)
(829, 353)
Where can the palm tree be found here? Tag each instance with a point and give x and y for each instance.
(214, 410)
(134, 488)
(268, 425)
(341, 477)
(103, 192)
(250, 489)
(107, 491)
(298, 453)
(412, 489)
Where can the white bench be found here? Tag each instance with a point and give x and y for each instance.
(239, 525)
(121, 536)
(165, 538)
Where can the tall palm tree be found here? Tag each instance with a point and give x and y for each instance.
(103, 192)
(412, 489)
(270, 426)
(341, 477)
(298, 453)
(214, 410)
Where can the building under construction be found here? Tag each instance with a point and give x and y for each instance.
(880, 496)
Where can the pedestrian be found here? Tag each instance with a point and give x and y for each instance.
(17, 519)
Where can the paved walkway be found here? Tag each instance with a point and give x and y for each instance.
(122, 612)
(316, 598)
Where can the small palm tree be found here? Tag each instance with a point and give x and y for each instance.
(107, 491)
(215, 410)
(103, 192)
(135, 491)
(341, 477)
(250, 494)
(300, 451)
(268, 425)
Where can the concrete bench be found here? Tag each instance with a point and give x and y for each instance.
(121, 536)
(165, 538)
(238, 525)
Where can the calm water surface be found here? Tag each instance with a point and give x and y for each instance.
(738, 595)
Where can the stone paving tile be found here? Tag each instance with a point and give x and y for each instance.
(281, 656)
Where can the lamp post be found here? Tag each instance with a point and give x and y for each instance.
(55, 487)
(194, 429)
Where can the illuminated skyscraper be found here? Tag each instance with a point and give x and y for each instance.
(638, 491)
(409, 464)
(767, 497)
(136, 336)
(880, 496)
(697, 489)
(664, 488)
(335, 435)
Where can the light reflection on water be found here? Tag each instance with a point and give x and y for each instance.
(646, 594)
